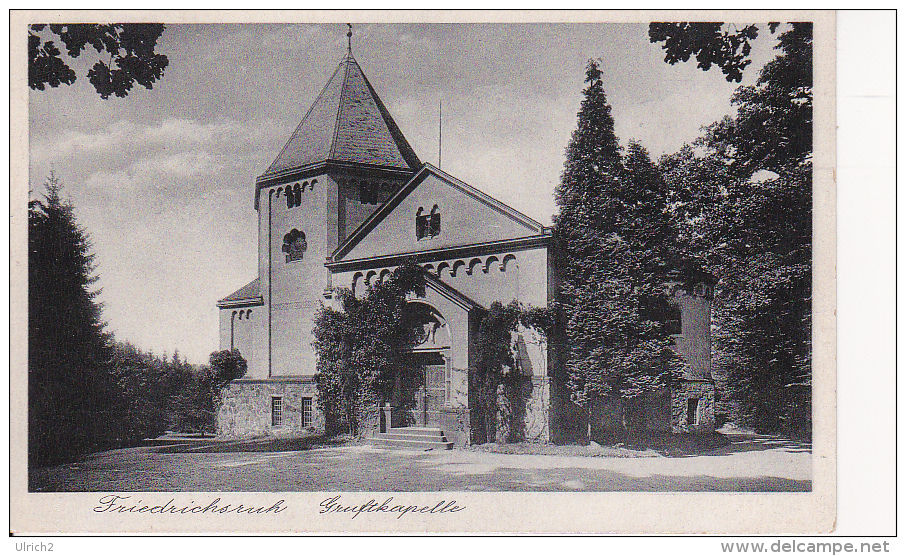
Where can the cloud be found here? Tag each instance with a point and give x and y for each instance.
(189, 164)
(156, 171)
(172, 155)
(125, 135)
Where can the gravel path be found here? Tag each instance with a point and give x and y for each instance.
(749, 464)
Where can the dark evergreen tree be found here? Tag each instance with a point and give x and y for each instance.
(645, 220)
(73, 400)
(87, 392)
(140, 377)
(612, 236)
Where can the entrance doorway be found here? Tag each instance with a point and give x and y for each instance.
(430, 397)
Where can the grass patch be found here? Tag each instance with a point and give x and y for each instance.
(589, 451)
(259, 444)
(670, 445)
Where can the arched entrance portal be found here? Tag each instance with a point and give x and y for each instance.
(432, 356)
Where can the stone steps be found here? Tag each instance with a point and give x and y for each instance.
(412, 438)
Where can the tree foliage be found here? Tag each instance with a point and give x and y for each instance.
(161, 393)
(614, 239)
(363, 346)
(127, 47)
(742, 200)
(710, 43)
(146, 385)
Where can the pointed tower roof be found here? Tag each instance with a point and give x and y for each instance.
(349, 124)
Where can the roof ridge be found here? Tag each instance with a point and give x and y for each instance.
(399, 139)
(336, 124)
(450, 292)
(499, 205)
(248, 291)
(302, 121)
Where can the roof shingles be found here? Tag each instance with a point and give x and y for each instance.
(346, 123)
(251, 290)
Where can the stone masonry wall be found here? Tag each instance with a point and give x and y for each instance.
(246, 407)
(682, 393)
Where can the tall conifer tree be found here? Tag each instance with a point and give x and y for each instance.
(72, 397)
(611, 244)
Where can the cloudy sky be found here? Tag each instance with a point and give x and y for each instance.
(163, 180)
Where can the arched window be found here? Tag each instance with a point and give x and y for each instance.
(509, 263)
(419, 223)
(294, 195)
(358, 284)
(434, 223)
(368, 193)
(233, 330)
(294, 245)
(427, 225)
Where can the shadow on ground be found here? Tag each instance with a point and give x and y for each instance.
(714, 444)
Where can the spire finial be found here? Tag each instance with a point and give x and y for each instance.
(349, 37)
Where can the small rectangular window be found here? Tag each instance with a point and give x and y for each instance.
(306, 412)
(692, 411)
(276, 411)
(659, 309)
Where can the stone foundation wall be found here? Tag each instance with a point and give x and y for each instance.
(665, 410)
(456, 426)
(246, 407)
(703, 391)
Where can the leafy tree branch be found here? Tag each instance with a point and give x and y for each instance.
(126, 51)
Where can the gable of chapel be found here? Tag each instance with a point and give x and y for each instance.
(435, 211)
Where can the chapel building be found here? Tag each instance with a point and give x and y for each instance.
(344, 203)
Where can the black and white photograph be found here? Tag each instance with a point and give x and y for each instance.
(343, 267)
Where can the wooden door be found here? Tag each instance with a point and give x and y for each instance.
(435, 384)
